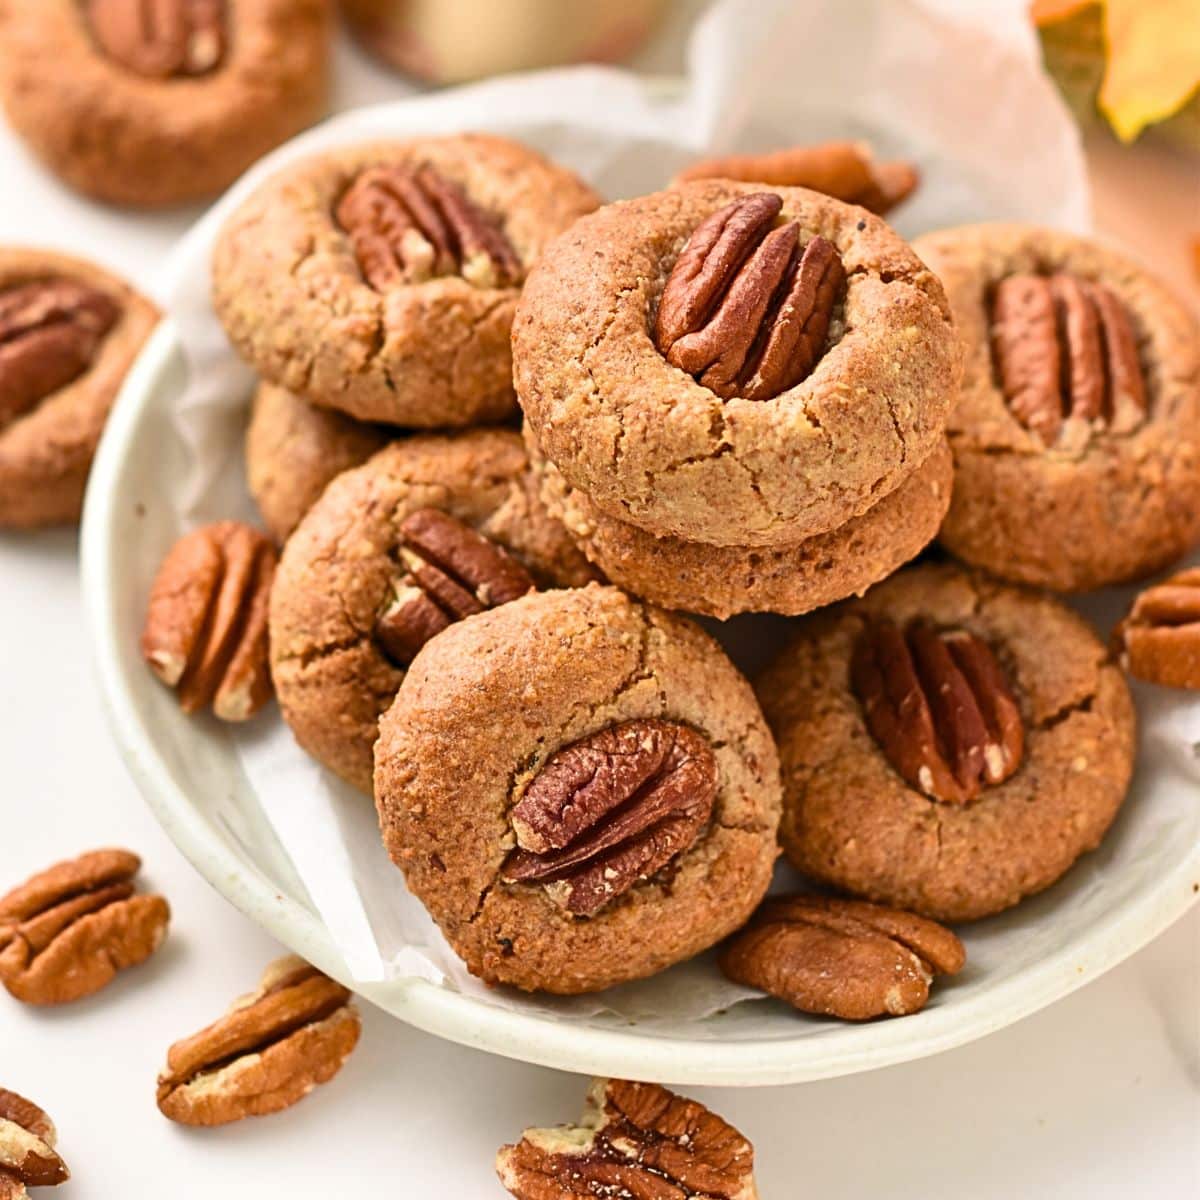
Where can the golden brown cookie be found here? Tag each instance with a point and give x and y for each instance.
(69, 332)
(816, 362)
(369, 575)
(1077, 438)
(293, 449)
(720, 581)
(151, 112)
(580, 789)
(381, 279)
(949, 744)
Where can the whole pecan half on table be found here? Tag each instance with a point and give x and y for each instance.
(842, 958)
(50, 332)
(206, 621)
(160, 39)
(746, 309)
(409, 225)
(1159, 640)
(266, 1053)
(66, 932)
(27, 1154)
(450, 571)
(610, 810)
(635, 1140)
(940, 707)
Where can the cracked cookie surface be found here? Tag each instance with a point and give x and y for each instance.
(295, 301)
(652, 446)
(482, 709)
(1109, 505)
(850, 820)
(337, 570)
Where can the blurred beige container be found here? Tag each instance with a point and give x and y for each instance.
(450, 41)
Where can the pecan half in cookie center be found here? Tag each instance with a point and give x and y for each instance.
(940, 707)
(747, 308)
(610, 810)
(161, 39)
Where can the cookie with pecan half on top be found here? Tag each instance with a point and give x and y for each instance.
(430, 530)
(949, 744)
(1077, 438)
(381, 280)
(580, 788)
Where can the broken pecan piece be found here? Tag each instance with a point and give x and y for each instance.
(50, 331)
(27, 1155)
(1064, 348)
(66, 932)
(409, 226)
(612, 809)
(1159, 640)
(451, 572)
(940, 707)
(206, 623)
(267, 1052)
(160, 38)
(634, 1140)
(746, 309)
(842, 958)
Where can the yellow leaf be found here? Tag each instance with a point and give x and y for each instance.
(1153, 61)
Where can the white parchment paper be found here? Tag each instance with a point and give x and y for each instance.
(956, 88)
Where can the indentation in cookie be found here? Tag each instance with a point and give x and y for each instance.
(160, 39)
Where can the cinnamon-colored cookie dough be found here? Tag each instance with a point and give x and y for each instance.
(859, 335)
(720, 581)
(382, 279)
(293, 449)
(580, 788)
(355, 564)
(152, 106)
(1077, 438)
(949, 744)
(68, 333)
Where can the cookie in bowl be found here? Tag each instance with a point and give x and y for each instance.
(69, 332)
(580, 789)
(726, 364)
(381, 280)
(429, 530)
(949, 744)
(1077, 438)
(150, 105)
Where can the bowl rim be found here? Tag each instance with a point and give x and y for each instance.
(542, 1038)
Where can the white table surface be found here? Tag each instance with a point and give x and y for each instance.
(1098, 1096)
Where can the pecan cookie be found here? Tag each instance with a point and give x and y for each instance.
(729, 365)
(68, 333)
(720, 581)
(429, 530)
(293, 449)
(580, 788)
(381, 280)
(949, 744)
(156, 104)
(1082, 390)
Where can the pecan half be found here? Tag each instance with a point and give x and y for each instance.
(612, 809)
(1159, 640)
(940, 707)
(1063, 348)
(266, 1053)
(50, 331)
(409, 226)
(206, 623)
(746, 309)
(66, 932)
(842, 958)
(635, 1140)
(160, 38)
(27, 1154)
(451, 572)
